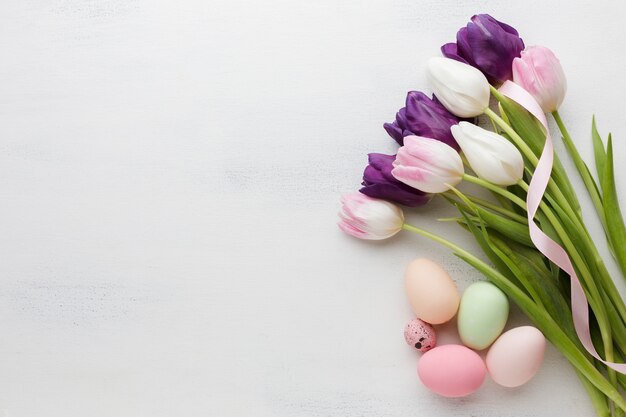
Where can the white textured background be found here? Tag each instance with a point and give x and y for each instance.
(169, 177)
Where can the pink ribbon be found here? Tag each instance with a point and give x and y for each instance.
(547, 246)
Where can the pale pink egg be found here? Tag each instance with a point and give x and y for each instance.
(451, 370)
(516, 356)
(420, 335)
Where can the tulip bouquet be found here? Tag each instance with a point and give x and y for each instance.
(532, 232)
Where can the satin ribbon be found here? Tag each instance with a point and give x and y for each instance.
(548, 247)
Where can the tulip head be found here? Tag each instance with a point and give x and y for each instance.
(462, 89)
(427, 164)
(379, 183)
(428, 117)
(487, 44)
(492, 157)
(422, 116)
(368, 218)
(540, 73)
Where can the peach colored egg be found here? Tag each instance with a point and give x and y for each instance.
(516, 356)
(451, 370)
(431, 292)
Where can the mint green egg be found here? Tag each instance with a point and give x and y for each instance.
(482, 315)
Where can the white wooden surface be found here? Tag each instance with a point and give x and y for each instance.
(169, 177)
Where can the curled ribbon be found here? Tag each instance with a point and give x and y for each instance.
(548, 247)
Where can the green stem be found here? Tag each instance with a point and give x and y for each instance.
(530, 155)
(517, 139)
(498, 209)
(496, 189)
(437, 239)
(598, 399)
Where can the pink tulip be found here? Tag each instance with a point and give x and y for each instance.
(428, 165)
(540, 73)
(369, 218)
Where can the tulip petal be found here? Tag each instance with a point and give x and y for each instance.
(450, 50)
(491, 156)
(378, 182)
(462, 89)
(427, 164)
(368, 218)
(540, 73)
(429, 118)
(487, 44)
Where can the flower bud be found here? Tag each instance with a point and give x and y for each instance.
(462, 89)
(368, 218)
(427, 164)
(487, 44)
(491, 156)
(422, 116)
(379, 183)
(540, 73)
(427, 117)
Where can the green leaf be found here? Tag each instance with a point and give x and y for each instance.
(532, 270)
(592, 185)
(494, 221)
(491, 206)
(524, 123)
(484, 245)
(503, 113)
(520, 270)
(529, 128)
(614, 220)
(581, 166)
(509, 228)
(598, 399)
(547, 228)
(598, 150)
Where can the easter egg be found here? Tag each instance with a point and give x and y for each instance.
(420, 335)
(483, 313)
(516, 356)
(431, 292)
(451, 370)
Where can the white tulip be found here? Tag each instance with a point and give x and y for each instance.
(369, 218)
(461, 88)
(491, 156)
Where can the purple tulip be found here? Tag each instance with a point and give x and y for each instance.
(427, 117)
(379, 183)
(487, 44)
(423, 116)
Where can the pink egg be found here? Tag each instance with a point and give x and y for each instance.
(420, 335)
(516, 356)
(451, 370)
